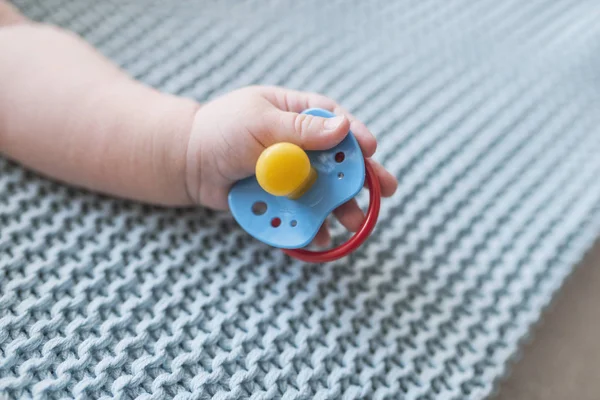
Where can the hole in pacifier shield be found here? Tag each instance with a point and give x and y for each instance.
(275, 222)
(259, 208)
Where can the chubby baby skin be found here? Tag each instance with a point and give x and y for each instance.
(70, 114)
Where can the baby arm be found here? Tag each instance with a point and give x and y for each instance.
(69, 113)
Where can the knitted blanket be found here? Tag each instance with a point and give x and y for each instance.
(486, 111)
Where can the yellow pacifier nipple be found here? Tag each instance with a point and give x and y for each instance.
(284, 169)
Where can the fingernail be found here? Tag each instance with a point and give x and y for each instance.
(331, 124)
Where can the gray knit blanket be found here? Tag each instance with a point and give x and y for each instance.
(488, 113)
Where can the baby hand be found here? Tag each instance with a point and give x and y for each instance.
(230, 133)
(83, 121)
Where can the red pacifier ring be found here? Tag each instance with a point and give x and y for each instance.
(358, 238)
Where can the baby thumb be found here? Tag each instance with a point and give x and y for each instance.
(311, 132)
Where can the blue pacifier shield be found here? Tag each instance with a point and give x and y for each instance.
(292, 224)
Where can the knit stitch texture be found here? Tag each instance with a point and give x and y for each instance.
(486, 111)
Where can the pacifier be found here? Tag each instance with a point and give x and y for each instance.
(293, 191)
